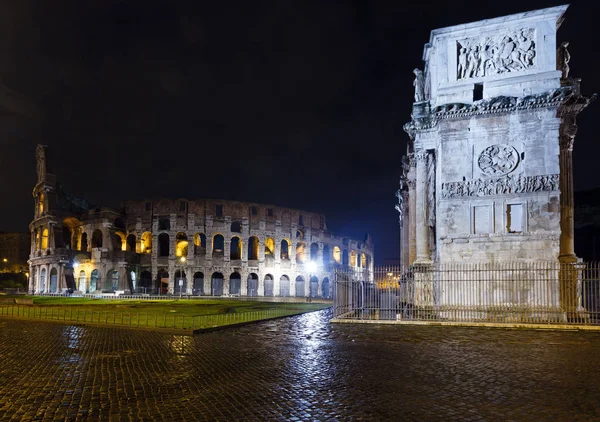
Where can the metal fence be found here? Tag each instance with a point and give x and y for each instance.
(513, 292)
(137, 319)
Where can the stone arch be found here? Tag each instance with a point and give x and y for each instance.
(111, 283)
(313, 287)
(146, 244)
(353, 258)
(53, 280)
(119, 241)
(300, 252)
(199, 244)
(363, 260)
(94, 281)
(300, 290)
(198, 286)
(181, 244)
(252, 286)
(236, 227)
(218, 245)
(269, 286)
(38, 243)
(45, 239)
(345, 257)
(269, 247)
(253, 248)
(284, 253)
(235, 283)
(163, 244)
(81, 281)
(145, 284)
(162, 282)
(180, 282)
(43, 280)
(41, 203)
(66, 237)
(337, 255)
(131, 242)
(84, 242)
(235, 248)
(325, 288)
(284, 286)
(326, 252)
(97, 238)
(314, 251)
(217, 284)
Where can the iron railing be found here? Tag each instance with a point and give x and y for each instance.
(512, 292)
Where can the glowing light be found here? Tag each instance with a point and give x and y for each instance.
(4, 260)
(75, 264)
(182, 259)
(311, 266)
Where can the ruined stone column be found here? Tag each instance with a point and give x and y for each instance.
(567, 206)
(422, 229)
(405, 259)
(412, 207)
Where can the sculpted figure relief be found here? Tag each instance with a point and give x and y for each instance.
(562, 58)
(498, 160)
(500, 186)
(479, 57)
(418, 83)
(40, 155)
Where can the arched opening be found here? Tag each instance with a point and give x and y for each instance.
(269, 247)
(337, 255)
(119, 241)
(37, 240)
(253, 248)
(216, 284)
(300, 252)
(180, 282)
(314, 287)
(43, 280)
(284, 286)
(97, 239)
(314, 251)
(53, 281)
(345, 257)
(81, 281)
(218, 245)
(181, 244)
(145, 285)
(363, 260)
(285, 250)
(198, 286)
(353, 258)
(66, 237)
(41, 204)
(146, 244)
(119, 223)
(326, 256)
(300, 290)
(199, 244)
(235, 283)
(162, 282)
(111, 283)
(45, 239)
(132, 279)
(131, 241)
(269, 289)
(235, 248)
(163, 244)
(326, 288)
(94, 281)
(84, 242)
(236, 227)
(252, 284)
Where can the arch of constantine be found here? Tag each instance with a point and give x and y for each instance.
(203, 247)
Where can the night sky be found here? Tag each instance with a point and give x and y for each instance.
(292, 103)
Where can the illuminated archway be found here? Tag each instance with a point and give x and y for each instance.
(218, 245)
(45, 239)
(300, 252)
(253, 248)
(337, 254)
(269, 246)
(284, 254)
(146, 244)
(353, 258)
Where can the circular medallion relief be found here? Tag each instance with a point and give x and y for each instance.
(498, 160)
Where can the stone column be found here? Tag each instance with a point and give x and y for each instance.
(422, 230)
(412, 208)
(405, 231)
(567, 206)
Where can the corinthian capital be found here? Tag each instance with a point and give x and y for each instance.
(567, 136)
(421, 156)
(411, 160)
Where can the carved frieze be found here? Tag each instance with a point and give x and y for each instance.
(484, 56)
(500, 186)
(498, 160)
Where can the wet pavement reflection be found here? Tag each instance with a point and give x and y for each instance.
(298, 368)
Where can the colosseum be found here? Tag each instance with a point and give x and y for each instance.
(203, 247)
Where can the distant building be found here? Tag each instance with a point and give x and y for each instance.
(14, 252)
(203, 247)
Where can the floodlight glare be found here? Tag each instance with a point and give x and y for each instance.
(311, 266)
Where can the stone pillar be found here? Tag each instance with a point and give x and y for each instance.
(422, 229)
(567, 206)
(412, 210)
(405, 231)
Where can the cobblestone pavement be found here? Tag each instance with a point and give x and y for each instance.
(299, 368)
